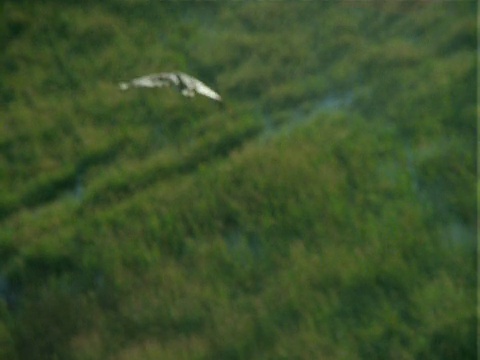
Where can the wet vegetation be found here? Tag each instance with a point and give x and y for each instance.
(327, 211)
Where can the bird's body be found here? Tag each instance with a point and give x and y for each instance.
(187, 85)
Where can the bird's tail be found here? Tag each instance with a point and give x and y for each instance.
(123, 86)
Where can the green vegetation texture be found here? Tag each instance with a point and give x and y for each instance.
(327, 211)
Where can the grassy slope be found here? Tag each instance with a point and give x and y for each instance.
(326, 212)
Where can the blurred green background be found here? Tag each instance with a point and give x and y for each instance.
(328, 211)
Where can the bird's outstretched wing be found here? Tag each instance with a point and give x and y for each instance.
(199, 87)
(186, 84)
(151, 81)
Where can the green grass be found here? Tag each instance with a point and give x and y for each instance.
(326, 211)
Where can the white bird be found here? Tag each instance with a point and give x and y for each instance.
(187, 85)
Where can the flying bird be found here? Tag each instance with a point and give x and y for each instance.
(186, 84)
